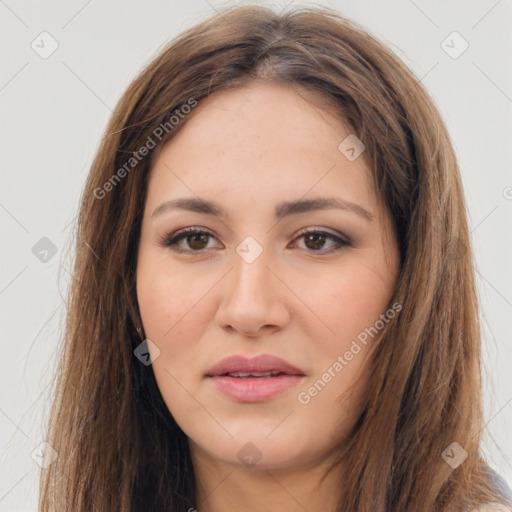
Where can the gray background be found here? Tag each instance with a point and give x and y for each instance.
(55, 109)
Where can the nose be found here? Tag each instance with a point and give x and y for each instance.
(254, 299)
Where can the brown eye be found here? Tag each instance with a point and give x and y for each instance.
(196, 240)
(315, 240)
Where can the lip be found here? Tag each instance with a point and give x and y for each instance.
(261, 363)
(254, 389)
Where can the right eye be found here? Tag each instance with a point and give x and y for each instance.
(195, 238)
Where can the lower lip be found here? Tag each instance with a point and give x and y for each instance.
(255, 389)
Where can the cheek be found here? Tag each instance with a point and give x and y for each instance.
(165, 301)
(350, 304)
(175, 311)
(352, 300)
(172, 321)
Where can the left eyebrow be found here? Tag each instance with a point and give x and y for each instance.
(283, 209)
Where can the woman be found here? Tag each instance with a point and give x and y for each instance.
(273, 304)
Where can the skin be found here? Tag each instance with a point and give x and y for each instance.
(248, 149)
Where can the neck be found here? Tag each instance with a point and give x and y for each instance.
(223, 486)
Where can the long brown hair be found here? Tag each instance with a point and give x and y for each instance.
(118, 446)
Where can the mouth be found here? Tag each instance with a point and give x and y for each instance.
(250, 375)
(254, 380)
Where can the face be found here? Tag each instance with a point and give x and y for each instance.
(250, 282)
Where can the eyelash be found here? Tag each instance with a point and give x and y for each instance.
(172, 240)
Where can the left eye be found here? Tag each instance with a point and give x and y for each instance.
(198, 238)
(318, 237)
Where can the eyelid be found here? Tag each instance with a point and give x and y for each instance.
(318, 229)
(172, 239)
(167, 240)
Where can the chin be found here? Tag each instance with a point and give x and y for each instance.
(253, 450)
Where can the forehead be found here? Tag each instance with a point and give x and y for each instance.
(259, 141)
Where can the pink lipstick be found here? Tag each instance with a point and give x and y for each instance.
(256, 379)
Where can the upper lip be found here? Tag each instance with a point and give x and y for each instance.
(261, 363)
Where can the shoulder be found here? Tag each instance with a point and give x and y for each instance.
(492, 507)
(502, 489)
